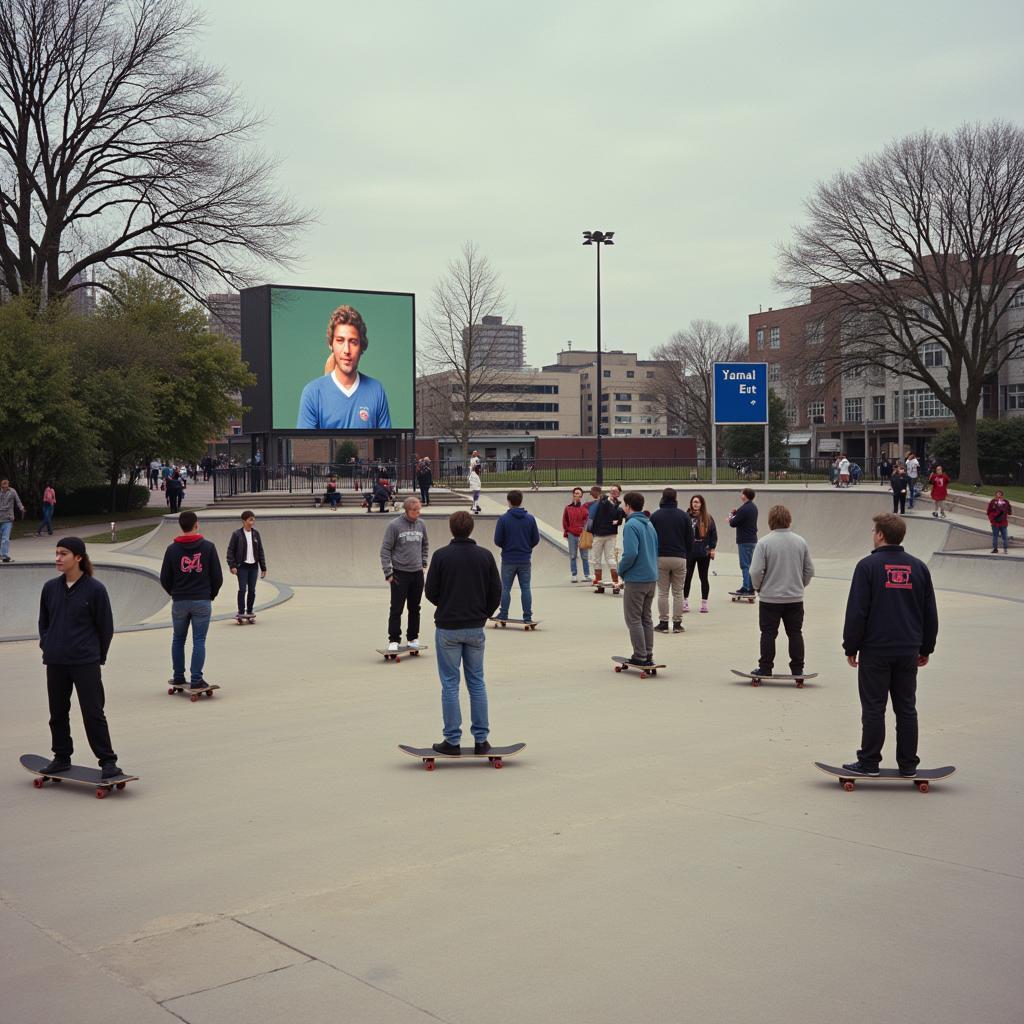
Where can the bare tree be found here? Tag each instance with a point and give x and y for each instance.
(456, 359)
(683, 388)
(119, 148)
(913, 261)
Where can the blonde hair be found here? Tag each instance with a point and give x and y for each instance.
(345, 315)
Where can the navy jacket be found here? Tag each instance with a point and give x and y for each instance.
(517, 535)
(191, 569)
(675, 532)
(891, 608)
(463, 582)
(605, 517)
(703, 545)
(744, 522)
(76, 624)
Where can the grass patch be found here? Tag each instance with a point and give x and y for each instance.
(122, 535)
(1010, 492)
(63, 525)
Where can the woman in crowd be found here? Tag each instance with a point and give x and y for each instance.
(705, 541)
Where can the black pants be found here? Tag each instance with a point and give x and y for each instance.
(175, 501)
(879, 678)
(60, 680)
(407, 588)
(425, 494)
(899, 502)
(701, 565)
(248, 573)
(792, 617)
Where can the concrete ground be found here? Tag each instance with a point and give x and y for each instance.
(662, 850)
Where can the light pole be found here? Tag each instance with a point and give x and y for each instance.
(599, 238)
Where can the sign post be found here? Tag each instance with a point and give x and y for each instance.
(739, 398)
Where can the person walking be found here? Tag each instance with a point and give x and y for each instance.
(473, 479)
(154, 474)
(603, 519)
(913, 473)
(246, 557)
(49, 504)
(574, 522)
(999, 511)
(744, 521)
(10, 506)
(705, 541)
(76, 627)
(899, 484)
(516, 534)
(890, 631)
(463, 583)
(780, 570)
(192, 575)
(675, 544)
(639, 569)
(939, 481)
(425, 480)
(403, 557)
(175, 491)
(884, 472)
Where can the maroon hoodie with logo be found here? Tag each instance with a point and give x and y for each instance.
(191, 569)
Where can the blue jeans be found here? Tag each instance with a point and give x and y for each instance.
(912, 493)
(465, 646)
(746, 557)
(574, 546)
(997, 532)
(198, 613)
(509, 571)
(5, 537)
(47, 523)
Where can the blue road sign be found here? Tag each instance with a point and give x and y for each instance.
(740, 393)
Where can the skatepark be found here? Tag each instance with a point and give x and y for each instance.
(662, 850)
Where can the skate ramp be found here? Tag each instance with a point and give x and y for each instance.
(979, 573)
(135, 595)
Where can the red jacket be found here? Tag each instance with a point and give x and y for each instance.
(998, 512)
(940, 486)
(574, 519)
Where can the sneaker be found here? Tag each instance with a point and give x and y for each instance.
(661, 627)
(908, 773)
(638, 661)
(935, 515)
(413, 644)
(677, 627)
(58, 764)
(393, 647)
(444, 747)
(758, 672)
(482, 748)
(686, 606)
(860, 769)
(527, 618)
(995, 551)
(704, 607)
(587, 579)
(4, 559)
(201, 685)
(110, 771)
(574, 580)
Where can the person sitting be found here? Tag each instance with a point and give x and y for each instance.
(332, 496)
(381, 494)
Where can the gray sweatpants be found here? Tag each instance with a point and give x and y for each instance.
(637, 599)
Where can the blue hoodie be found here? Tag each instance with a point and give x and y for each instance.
(639, 562)
(517, 535)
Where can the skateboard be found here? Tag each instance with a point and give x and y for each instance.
(757, 680)
(515, 622)
(413, 652)
(194, 695)
(748, 598)
(622, 664)
(76, 773)
(599, 588)
(924, 775)
(429, 756)
(243, 620)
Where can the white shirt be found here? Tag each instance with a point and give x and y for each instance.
(250, 554)
(913, 468)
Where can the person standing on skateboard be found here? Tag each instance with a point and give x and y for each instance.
(639, 570)
(603, 520)
(75, 629)
(247, 557)
(516, 533)
(192, 575)
(403, 557)
(890, 632)
(744, 521)
(780, 571)
(464, 584)
(675, 543)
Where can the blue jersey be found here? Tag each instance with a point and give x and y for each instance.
(324, 406)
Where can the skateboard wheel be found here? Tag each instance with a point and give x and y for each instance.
(754, 682)
(194, 697)
(653, 672)
(618, 668)
(847, 784)
(208, 693)
(172, 690)
(643, 675)
(799, 684)
(429, 764)
(38, 783)
(497, 762)
(414, 654)
(121, 785)
(101, 794)
(922, 787)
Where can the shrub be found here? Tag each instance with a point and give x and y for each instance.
(89, 500)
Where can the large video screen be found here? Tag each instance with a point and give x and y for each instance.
(341, 360)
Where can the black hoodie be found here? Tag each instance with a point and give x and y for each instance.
(675, 530)
(191, 570)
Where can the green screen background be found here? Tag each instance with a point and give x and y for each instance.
(298, 347)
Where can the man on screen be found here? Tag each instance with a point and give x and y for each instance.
(344, 398)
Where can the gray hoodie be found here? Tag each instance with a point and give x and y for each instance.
(781, 567)
(10, 504)
(405, 546)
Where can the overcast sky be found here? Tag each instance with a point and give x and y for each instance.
(694, 131)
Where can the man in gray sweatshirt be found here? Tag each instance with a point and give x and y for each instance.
(10, 504)
(780, 570)
(403, 557)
